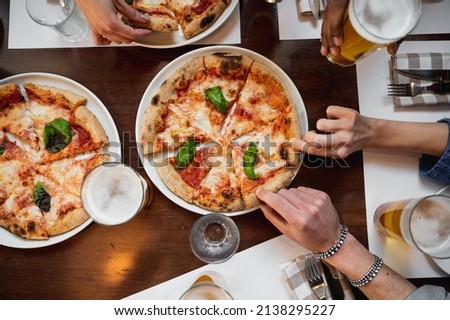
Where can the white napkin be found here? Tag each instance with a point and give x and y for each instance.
(436, 61)
(294, 274)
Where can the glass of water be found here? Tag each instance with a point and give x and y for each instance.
(214, 238)
(60, 15)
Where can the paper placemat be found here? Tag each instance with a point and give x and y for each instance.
(395, 175)
(292, 26)
(252, 274)
(24, 33)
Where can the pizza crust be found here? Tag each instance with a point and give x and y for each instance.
(193, 24)
(172, 180)
(87, 120)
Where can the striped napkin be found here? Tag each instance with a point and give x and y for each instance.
(437, 61)
(294, 274)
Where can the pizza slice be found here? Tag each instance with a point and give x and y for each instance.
(49, 95)
(262, 100)
(254, 171)
(219, 191)
(62, 210)
(70, 172)
(9, 94)
(21, 216)
(195, 16)
(184, 172)
(161, 17)
(62, 133)
(11, 150)
(15, 119)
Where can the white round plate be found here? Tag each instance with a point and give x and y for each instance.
(167, 71)
(164, 40)
(444, 264)
(100, 111)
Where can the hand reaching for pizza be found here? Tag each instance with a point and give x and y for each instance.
(305, 215)
(105, 25)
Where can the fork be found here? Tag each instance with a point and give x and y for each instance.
(314, 277)
(413, 89)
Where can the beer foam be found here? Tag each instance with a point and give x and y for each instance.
(112, 194)
(430, 226)
(206, 292)
(384, 21)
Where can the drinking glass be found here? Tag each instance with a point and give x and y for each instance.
(61, 15)
(423, 223)
(214, 238)
(113, 193)
(209, 285)
(370, 25)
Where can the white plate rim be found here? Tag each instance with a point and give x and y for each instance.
(97, 107)
(444, 264)
(170, 69)
(146, 41)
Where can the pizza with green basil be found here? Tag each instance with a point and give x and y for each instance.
(49, 141)
(221, 126)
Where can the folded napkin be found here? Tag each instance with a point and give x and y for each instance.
(295, 276)
(436, 61)
(304, 7)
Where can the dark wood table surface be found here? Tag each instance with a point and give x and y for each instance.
(114, 262)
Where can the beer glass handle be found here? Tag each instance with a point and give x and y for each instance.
(445, 191)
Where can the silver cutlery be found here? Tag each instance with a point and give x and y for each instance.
(425, 74)
(413, 89)
(314, 277)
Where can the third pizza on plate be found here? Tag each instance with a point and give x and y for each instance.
(221, 127)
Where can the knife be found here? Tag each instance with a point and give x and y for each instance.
(336, 291)
(425, 74)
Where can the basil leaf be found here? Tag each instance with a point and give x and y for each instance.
(129, 1)
(215, 95)
(41, 197)
(185, 154)
(2, 149)
(250, 157)
(57, 135)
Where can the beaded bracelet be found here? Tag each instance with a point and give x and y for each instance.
(370, 275)
(334, 248)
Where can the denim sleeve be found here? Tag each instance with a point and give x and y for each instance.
(428, 292)
(437, 167)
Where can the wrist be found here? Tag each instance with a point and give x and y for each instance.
(336, 246)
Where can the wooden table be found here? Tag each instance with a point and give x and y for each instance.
(114, 262)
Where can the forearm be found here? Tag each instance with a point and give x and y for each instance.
(354, 260)
(426, 138)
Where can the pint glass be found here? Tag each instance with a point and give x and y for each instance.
(370, 25)
(423, 223)
(208, 286)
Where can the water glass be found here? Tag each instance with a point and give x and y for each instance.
(214, 238)
(60, 15)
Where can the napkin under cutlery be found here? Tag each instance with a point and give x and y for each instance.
(294, 274)
(429, 61)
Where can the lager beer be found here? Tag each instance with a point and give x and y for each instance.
(370, 25)
(423, 223)
(206, 288)
(113, 193)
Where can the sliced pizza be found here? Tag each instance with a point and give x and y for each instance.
(195, 16)
(254, 171)
(161, 17)
(49, 95)
(262, 100)
(10, 93)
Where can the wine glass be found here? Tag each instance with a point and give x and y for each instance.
(214, 238)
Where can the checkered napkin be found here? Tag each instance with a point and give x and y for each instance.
(437, 61)
(294, 274)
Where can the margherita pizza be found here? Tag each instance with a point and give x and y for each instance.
(49, 141)
(220, 127)
(193, 16)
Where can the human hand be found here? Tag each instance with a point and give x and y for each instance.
(332, 36)
(305, 215)
(346, 131)
(106, 27)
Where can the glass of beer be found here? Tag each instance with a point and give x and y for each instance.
(214, 238)
(423, 223)
(113, 193)
(208, 286)
(370, 25)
